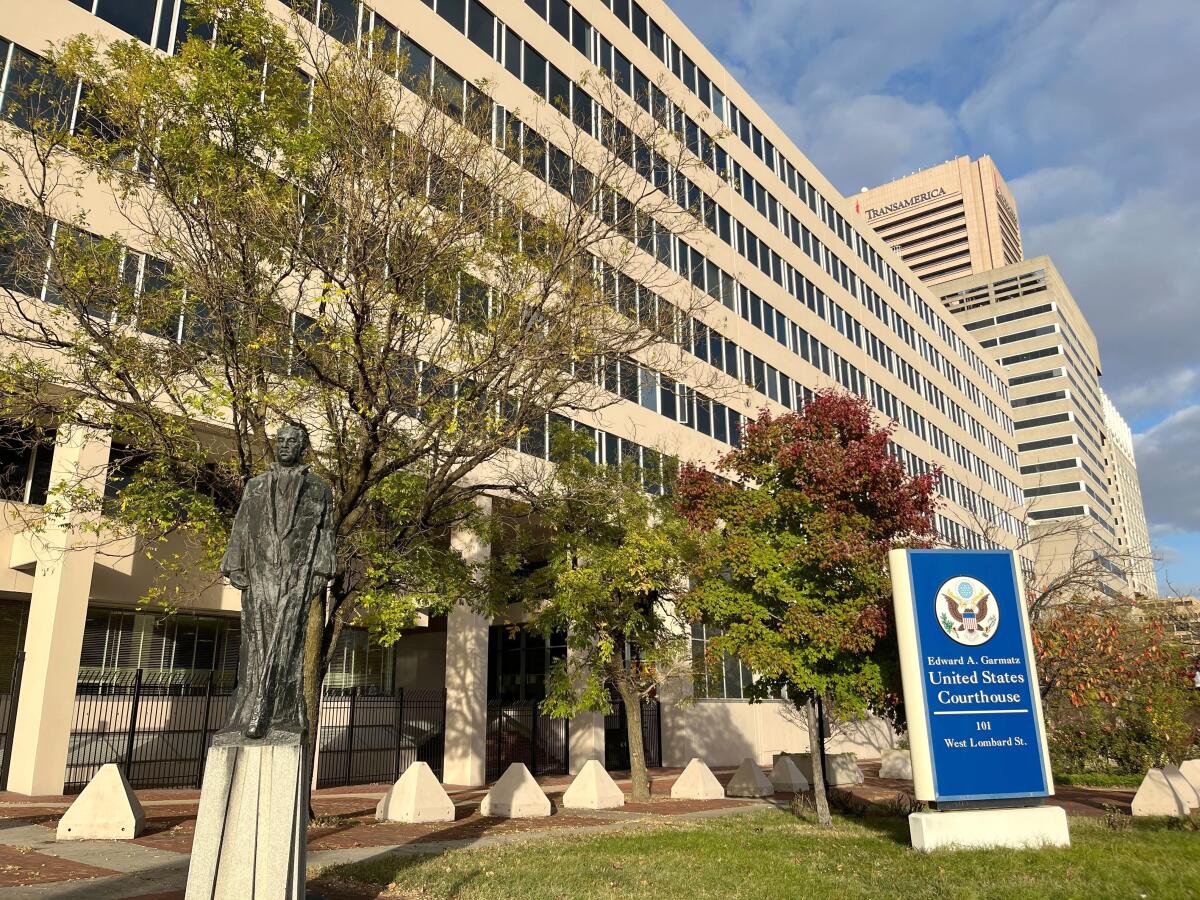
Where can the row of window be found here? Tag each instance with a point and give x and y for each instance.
(547, 81)
(765, 378)
(162, 22)
(727, 113)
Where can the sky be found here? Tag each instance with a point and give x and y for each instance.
(1090, 110)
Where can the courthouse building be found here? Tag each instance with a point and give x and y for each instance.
(810, 297)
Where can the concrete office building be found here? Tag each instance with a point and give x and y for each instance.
(947, 221)
(1125, 493)
(1025, 316)
(810, 297)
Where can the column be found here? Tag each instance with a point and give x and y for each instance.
(58, 605)
(586, 735)
(466, 675)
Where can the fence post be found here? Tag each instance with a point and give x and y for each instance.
(399, 732)
(14, 696)
(133, 713)
(350, 736)
(208, 688)
(534, 722)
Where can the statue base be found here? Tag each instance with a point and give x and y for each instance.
(251, 825)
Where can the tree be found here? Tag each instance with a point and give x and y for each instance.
(272, 226)
(616, 562)
(797, 578)
(1117, 692)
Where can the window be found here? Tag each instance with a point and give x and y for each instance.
(534, 74)
(135, 17)
(339, 18)
(24, 464)
(176, 649)
(518, 662)
(31, 93)
(726, 678)
(481, 26)
(454, 12)
(358, 662)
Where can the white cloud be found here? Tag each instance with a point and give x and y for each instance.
(1169, 471)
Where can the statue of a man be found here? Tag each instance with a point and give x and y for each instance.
(281, 556)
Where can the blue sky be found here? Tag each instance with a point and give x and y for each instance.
(1090, 109)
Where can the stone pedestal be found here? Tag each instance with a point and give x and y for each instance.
(107, 810)
(749, 781)
(896, 764)
(840, 768)
(697, 782)
(1029, 827)
(251, 824)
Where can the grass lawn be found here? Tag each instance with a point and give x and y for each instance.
(774, 855)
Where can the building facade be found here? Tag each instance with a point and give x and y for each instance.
(1026, 317)
(1125, 492)
(947, 221)
(808, 297)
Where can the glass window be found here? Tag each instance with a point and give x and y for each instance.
(481, 27)
(534, 74)
(559, 90)
(339, 18)
(725, 677)
(512, 52)
(33, 94)
(454, 12)
(416, 65)
(560, 17)
(135, 17)
(581, 34)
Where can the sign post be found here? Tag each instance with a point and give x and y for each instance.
(972, 702)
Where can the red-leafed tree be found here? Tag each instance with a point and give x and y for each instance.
(797, 580)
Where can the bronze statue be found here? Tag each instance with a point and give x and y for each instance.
(281, 556)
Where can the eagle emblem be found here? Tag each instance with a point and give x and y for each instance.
(967, 611)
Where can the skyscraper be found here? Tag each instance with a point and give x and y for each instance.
(947, 221)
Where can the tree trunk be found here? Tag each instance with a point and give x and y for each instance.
(632, 699)
(815, 749)
(314, 670)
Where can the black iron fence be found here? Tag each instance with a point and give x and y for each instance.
(158, 727)
(8, 715)
(616, 736)
(517, 732)
(367, 738)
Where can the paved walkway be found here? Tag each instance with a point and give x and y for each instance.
(154, 867)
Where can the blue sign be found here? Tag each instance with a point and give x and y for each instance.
(970, 682)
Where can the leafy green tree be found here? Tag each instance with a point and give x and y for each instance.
(797, 577)
(271, 226)
(613, 563)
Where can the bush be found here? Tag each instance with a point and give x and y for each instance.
(1117, 697)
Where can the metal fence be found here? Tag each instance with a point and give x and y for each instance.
(368, 738)
(8, 715)
(616, 736)
(517, 732)
(158, 727)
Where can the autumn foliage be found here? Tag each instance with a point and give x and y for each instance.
(1116, 692)
(798, 581)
